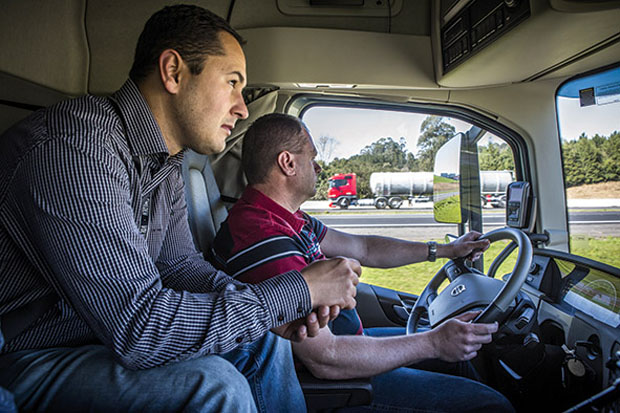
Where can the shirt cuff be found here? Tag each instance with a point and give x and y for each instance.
(287, 297)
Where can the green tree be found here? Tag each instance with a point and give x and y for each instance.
(413, 164)
(583, 162)
(387, 153)
(434, 133)
(496, 157)
(611, 157)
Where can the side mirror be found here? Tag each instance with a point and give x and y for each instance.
(447, 182)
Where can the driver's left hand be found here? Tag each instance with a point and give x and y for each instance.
(467, 246)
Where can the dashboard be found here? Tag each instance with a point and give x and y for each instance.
(579, 309)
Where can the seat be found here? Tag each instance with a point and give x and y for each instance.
(205, 209)
(327, 395)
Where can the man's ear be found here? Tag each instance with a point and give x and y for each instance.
(287, 164)
(171, 66)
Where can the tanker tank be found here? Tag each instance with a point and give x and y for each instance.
(421, 183)
(401, 183)
(494, 182)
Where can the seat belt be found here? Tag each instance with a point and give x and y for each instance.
(18, 320)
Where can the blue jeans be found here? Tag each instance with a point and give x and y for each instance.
(268, 365)
(7, 404)
(88, 378)
(430, 386)
(412, 390)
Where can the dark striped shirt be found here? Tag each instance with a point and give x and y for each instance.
(92, 208)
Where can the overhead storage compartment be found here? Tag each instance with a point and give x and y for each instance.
(500, 60)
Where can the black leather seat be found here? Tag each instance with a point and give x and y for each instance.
(326, 395)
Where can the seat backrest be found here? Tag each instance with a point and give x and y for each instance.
(205, 208)
(204, 204)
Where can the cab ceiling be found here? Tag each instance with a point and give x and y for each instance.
(79, 46)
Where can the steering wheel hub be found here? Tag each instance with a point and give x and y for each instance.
(468, 292)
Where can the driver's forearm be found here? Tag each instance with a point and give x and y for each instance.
(384, 252)
(347, 357)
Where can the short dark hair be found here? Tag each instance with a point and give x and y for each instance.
(265, 139)
(190, 30)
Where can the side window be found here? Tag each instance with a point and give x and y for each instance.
(377, 179)
(497, 170)
(588, 110)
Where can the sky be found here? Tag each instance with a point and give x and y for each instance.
(601, 119)
(356, 128)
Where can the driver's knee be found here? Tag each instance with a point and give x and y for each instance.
(491, 400)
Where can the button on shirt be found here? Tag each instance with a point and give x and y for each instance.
(92, 208)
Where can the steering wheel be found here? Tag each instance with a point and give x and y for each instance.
(471, 289)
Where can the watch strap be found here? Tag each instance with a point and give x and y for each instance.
(432, 251)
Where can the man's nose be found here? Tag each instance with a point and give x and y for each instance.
(240, 109)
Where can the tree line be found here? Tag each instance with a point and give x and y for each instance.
(585, 160)
(592, 160)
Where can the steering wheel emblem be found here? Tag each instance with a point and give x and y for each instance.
(458, 290)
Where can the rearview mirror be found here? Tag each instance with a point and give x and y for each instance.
(447, 182)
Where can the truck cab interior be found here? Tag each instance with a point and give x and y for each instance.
(497, 67)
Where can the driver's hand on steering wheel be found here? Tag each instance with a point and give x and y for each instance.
(467, 246)
(457, 339)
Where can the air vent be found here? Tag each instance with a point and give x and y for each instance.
(476, 25)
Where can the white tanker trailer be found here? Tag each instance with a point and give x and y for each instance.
(391, 189)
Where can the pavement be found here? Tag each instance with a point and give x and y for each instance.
(572, 203)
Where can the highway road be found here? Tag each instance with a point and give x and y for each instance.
(583, 221)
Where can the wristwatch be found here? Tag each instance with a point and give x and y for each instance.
(432, 251)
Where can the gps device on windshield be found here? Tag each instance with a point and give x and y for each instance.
(517, 204)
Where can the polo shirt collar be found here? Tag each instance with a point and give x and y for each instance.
(255, 197)
(143, 133)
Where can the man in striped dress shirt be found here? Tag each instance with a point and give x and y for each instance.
(99, 279)
(266, 233)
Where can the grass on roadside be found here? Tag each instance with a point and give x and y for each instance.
(413, 278)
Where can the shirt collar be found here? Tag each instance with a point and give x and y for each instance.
(143, 133)
(255, 197)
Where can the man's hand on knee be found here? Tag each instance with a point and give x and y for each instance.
(332, 282)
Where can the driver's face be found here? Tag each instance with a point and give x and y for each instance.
(308, 168)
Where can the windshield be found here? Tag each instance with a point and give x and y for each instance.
(337, 182)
